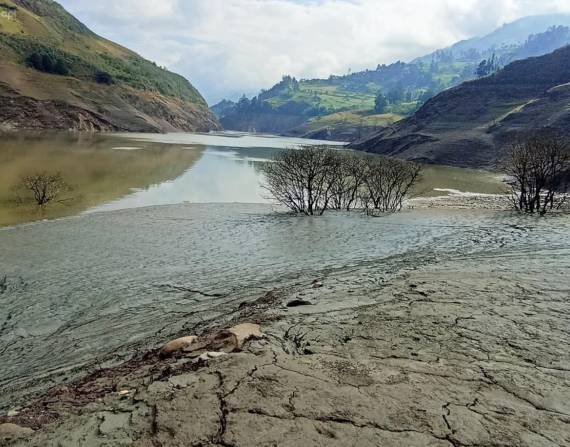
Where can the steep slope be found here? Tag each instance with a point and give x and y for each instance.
(469, 125)
(292, 105)
(56, 73)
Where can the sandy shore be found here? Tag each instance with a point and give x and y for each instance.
(460, 350)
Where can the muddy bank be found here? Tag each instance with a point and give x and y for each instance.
(452, 339)
(87, 292)
(457, 342)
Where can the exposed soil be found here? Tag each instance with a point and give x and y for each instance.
(468, 350)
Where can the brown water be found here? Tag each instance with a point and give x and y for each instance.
(118, 171)
(79, 292)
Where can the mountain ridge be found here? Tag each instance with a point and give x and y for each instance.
(470, 124)
(52, 61)
(300, 107)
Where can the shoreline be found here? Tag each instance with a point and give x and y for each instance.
(428, 349)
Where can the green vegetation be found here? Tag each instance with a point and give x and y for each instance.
(48, 61)
(42, 35)
(399, 88)
(362, 119)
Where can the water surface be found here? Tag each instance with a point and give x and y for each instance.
(108, 172)
(82, 290)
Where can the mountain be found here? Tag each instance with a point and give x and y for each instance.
(307, 107)
(56, 73)
(469, 125)
(509, 35)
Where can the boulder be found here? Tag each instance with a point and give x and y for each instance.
(245, 332)
(177, 345)
(221, 341)
(224, 341)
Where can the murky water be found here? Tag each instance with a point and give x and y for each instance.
(124, 272)
(81, 290)
(117, 171)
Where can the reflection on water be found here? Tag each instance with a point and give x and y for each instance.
(118, 171)
(222, 175)
(98, 168)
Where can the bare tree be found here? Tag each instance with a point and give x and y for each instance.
(536, 167)
(348, 181)
(43, 187)
(301, 179)
(387, 183)
(312, 179)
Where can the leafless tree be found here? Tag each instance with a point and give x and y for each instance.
(43, 187)
(348, 181)
(536, 167)
(312, 179)
(387, 183)
(301, 179)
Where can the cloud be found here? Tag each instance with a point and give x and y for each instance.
(226, 47)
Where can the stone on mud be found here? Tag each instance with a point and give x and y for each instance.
(245, 332)
(177, 345)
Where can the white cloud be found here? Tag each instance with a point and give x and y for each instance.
(229, 46)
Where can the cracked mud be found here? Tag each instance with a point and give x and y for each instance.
(471, 349)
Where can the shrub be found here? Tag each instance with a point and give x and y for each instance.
(48, 62)
(43, 187)
(102, 77)
(312, 179)
(536, 168)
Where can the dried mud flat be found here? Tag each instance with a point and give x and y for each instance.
(468, 350)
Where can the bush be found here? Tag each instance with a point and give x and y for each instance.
(536, 168)
(102, 77)
(48, 62)
(387, 182)
(301, 179)
(312, 179)
(43, 187)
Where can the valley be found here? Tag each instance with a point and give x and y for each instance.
(352, 256)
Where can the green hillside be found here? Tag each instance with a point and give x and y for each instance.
(398, 89)
(470, 125)
(40, 35)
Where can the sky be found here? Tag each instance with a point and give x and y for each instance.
(230, 47)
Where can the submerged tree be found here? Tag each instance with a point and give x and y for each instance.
(348, 181)
(536, 168)
(301, 179)
(43, 187)
(387, 183)
(312, 179)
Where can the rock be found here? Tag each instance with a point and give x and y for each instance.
(12, 431)
(210, 355)
(177, 345)
(245, 332)
(224, 341)
(221, 341)
(297, 303)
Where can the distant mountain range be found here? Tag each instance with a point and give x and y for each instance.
(56, 73)
(469, 125)
(346, 107)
